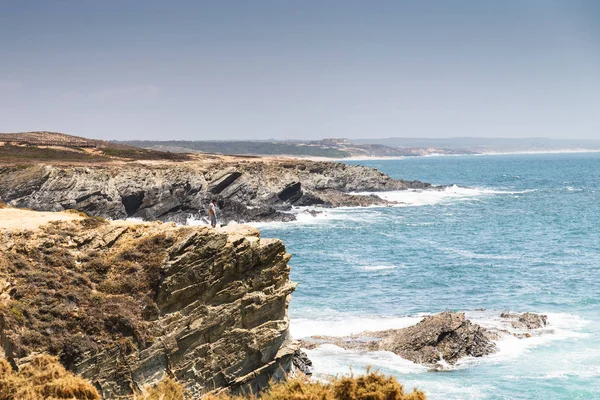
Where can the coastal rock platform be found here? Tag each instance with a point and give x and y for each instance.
(437, 340)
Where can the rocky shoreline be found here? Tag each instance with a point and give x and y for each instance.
(126, 304)
(247, 190)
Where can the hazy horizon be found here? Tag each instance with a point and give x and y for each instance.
(271, 70)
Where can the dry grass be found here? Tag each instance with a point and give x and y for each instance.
(372, 386)
(63, 298)
(76, 212)
(32, 154)
(54, 146)
(3, 205)
(168, 389)
(43, 378)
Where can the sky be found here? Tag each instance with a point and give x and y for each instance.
(302, 69)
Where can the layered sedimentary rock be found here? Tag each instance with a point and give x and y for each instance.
(247, 189)
(441, 338)
(126, 304)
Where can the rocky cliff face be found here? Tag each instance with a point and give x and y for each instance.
(126, 304)
(247, 189)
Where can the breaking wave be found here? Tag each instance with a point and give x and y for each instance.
(418, 197)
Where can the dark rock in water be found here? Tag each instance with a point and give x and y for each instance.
(314, 213)
(446, 336)
(526, 320)
(302, 362)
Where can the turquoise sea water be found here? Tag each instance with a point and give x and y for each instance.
(524, 236)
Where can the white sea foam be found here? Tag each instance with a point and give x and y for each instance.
(449, 389)
(314, 215)
(586, 371)
(330, 359)
(377, 267)
(480, 256)
(561, 326)
(194, 221)
(343, 326)
(306, 216)
(418, 197)
(134, 219)
(573, 189)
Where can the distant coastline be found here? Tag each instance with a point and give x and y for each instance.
(490, 153)
(335, 149)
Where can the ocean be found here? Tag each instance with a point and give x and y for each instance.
(513, 232)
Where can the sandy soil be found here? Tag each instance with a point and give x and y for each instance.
(19, 219)
(16, 219)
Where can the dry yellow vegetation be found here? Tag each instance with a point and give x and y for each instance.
(372, 386)
(168, 389)
(43, 378)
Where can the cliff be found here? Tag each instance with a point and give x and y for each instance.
(126, 304)
(247, 189)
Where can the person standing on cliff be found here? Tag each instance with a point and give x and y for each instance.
(212, 213)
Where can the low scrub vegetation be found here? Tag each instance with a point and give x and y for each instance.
(43, 378)
(246, 147)
(61, 299)
(144, 154)
(28, 154)
(168, 389)
(31, 153)
(372, 386)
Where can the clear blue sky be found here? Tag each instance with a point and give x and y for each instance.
(301, 69)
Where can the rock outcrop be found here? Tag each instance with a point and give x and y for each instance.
(526, 320)
(438, 339)
(442, 337)
(247, 189)
(125, 304)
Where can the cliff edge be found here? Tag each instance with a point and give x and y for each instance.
(126, 304)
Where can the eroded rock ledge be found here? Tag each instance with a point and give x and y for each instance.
(126, 304)
(247, 189)
(437, 340)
